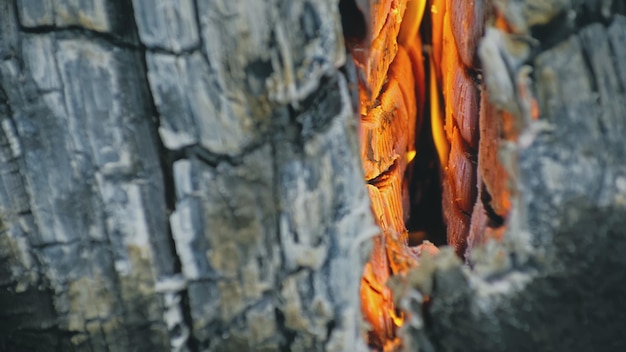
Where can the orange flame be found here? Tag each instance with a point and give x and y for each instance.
(436, 117)
(391, 92)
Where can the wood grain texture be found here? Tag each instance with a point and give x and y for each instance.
(458, 144)
(467, 23)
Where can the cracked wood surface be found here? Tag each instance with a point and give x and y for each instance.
(178, 176)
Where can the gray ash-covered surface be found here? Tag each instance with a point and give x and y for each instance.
(178, 175)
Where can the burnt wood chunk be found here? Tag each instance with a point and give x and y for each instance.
(178, 176)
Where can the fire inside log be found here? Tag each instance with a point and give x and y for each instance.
(410, 78)
(391, 66)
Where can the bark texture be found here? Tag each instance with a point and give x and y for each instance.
(555, 282)
(178, 175)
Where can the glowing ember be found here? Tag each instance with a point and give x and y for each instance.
(393, 84)
(392, 100)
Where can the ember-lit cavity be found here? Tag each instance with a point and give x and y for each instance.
(420, 108)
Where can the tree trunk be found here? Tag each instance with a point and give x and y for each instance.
(178, 176)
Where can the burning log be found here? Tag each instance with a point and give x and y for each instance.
(390, 91)
(245, 175)
(478, 131)
(536, 288)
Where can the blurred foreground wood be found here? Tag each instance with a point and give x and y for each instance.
(178, 175)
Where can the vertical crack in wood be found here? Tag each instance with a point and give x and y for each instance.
(166, 160)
